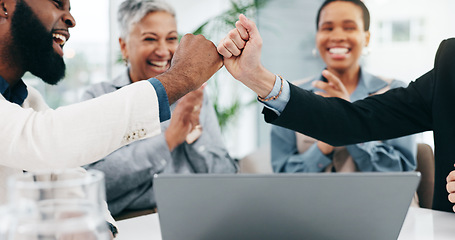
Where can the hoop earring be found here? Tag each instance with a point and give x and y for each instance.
(125, 61)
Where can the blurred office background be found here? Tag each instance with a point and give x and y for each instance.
(404, 37)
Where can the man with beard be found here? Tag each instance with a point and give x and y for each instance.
(35, 137)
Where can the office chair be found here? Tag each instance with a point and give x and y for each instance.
(257, 161)
(425, 165)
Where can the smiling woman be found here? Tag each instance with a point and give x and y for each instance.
(189, 143)
(148, 45)
(342, 32)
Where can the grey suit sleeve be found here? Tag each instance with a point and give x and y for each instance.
(132, 166)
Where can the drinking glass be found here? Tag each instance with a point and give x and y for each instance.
(60, 205)
(6, 216)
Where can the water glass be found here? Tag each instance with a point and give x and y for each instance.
(6, 217)
(60, 205)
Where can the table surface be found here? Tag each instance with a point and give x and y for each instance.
(420, 224)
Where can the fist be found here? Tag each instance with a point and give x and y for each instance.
(194, 62)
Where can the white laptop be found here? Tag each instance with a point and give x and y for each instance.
(284, 206)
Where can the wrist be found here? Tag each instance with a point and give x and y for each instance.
(169, 141)
(261, 81)
(176, 85)
(325, 148)
(276, 91)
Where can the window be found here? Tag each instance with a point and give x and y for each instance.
(401, 31)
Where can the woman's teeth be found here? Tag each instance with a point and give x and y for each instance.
(338, 50)
(160, 64)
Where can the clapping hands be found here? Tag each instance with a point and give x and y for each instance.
(185, 118)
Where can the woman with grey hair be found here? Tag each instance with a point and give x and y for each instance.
(190, 142)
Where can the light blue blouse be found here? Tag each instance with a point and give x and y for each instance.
(391, 155)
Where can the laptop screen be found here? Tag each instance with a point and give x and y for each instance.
(284, 206)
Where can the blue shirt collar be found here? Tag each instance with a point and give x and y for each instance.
(368, 84)
(15, 94)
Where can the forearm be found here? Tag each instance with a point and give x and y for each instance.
(288, 157)
(193, 63)
(384, 156)
(208, 153)
(398, 112)
(261, 81)
(278, 97)
(311, 160)
(176, 85)
(77, 134)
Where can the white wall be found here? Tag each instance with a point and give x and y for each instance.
(409, 60)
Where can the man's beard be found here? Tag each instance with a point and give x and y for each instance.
(33, 43)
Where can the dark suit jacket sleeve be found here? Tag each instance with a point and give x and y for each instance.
(398, 112)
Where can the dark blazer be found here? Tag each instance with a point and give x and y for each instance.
(426, 104)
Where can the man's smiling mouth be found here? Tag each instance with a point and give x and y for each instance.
(59, 39)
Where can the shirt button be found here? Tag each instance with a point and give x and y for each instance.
(142, 133)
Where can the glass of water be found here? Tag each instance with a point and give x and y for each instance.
(60, 205)
(6, 216)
